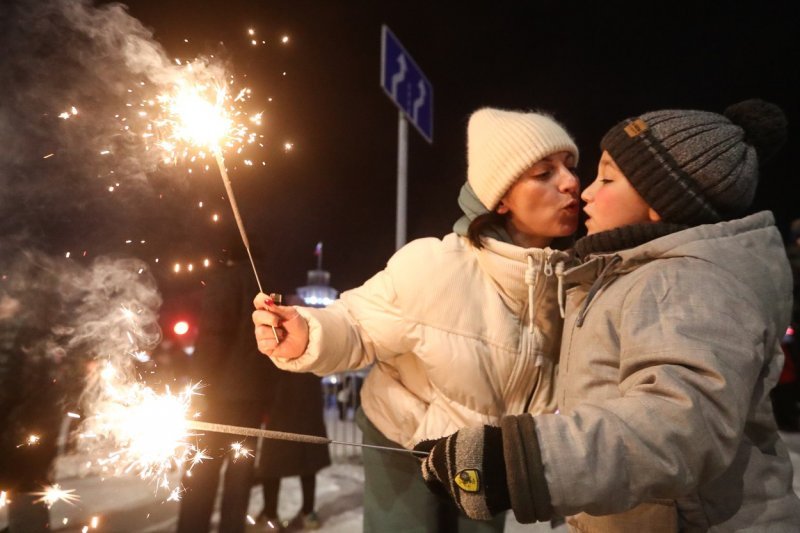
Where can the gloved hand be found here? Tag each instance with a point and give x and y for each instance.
(469, 468)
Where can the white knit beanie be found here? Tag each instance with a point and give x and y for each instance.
(501, 145)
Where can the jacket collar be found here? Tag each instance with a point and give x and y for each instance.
(513, 269)
(708, 241)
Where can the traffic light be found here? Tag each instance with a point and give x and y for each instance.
(181, 327)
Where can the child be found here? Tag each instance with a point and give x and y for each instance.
(671, 345)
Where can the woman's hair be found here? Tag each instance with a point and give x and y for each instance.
(482, 222)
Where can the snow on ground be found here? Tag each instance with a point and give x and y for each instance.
(128, 504)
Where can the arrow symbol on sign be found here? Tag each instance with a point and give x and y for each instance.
(398, 78)
(419, 101)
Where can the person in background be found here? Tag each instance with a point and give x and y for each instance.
(297, 408)
(37, 379)
(671, 346)
(238, 388)
(786, 394)
(461, 330)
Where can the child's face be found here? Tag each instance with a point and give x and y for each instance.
(611, 200)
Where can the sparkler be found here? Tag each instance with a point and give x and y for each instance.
(54, 493)
(200, 113)
(284, 435)
(146, 431)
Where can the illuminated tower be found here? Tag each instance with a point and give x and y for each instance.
(318, 292)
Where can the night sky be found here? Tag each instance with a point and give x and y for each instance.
(591, 64)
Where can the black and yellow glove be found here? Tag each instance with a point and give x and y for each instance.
(468, 466)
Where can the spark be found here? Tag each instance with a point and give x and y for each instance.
(199, 112)
(215, 217)
(285, 39)
(250, 520)
(251, 31)
(206, 263)
(199, 457)
(54, 493)
(48, 156)
(94, 522)
(31, 440)
(240, 451)
(4, 499)
(145, 431)
(73, 415)
(287, 146)
(127, 313)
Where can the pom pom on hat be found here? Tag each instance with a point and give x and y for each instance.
(502, 144)
(764, 125)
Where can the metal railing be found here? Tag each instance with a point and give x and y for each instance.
(341, 393)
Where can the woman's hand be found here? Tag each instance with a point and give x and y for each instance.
(291, 329)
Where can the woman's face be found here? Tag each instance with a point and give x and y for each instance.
(612, 202)
(543, 203)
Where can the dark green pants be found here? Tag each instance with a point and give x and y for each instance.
(396, 498)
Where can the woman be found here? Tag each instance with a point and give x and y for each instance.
(671, 345)
(461, 330)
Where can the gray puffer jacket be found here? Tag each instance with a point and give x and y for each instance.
(669, 352)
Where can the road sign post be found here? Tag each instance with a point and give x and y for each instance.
(409, 89)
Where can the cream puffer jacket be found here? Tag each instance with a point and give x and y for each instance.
(458, 336)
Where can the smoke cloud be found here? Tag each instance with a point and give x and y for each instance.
(74, 164)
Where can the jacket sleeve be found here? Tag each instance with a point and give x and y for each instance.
(366, 324)
(691, 352)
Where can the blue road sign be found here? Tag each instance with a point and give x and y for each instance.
(405, 84)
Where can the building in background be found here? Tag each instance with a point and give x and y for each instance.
(318, 291)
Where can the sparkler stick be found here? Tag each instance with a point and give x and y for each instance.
(239, 224)
(237, 216)
(283, 435)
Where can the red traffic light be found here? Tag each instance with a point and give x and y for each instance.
(181, 327)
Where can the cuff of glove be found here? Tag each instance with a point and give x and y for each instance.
(527, 486)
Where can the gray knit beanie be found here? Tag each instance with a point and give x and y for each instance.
(697, 167)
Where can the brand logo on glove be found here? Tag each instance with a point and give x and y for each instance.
(468, 480)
